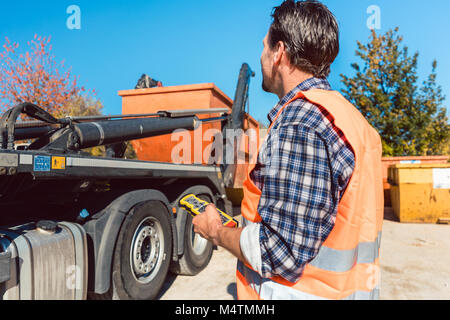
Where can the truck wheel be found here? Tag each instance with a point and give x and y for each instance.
(197, 250)
(143, 253)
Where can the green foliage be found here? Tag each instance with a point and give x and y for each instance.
(130, 153)
(409, 118)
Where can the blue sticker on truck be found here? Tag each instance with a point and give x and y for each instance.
(41, 164)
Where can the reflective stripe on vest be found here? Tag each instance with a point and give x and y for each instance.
(330, 259)
(344, 260)
(267, 289)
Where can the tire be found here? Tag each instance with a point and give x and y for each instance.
(142, 255)
(197, 250)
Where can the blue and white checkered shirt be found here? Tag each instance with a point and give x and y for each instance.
(303, 168)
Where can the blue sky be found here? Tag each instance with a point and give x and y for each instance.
(199, 41)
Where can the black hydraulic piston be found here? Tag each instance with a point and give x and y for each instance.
(91, 134)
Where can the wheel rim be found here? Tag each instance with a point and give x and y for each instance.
(198, 243)
(147, 250)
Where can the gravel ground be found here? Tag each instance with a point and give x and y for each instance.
(415, 261)
(415, 264)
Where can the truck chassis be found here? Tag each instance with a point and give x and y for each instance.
(134, 229)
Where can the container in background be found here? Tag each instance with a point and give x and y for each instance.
(188, 97)
(386, 162)
(420, 192)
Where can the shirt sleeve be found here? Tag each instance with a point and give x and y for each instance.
(298, 203)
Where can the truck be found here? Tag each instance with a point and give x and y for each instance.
(75, 226)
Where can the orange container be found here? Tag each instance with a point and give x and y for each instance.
(389, 161)
(202, 96)
(197, 96)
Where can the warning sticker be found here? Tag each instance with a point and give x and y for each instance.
(41, 164)
(441, 178)
(58, 163)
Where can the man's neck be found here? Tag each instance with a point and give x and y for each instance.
(292, 80)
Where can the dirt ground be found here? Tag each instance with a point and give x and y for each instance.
(415, 260)
(415, 264)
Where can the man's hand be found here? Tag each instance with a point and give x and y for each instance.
(208, 224)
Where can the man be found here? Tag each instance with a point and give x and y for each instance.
(313, 204)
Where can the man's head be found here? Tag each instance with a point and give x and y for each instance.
(304, 36)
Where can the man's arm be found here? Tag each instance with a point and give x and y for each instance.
(209, 226)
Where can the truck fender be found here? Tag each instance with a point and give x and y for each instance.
(182, 215)
(103, 230)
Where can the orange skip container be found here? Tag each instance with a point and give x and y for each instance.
(185, 97)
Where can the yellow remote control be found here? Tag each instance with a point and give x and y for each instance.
(196, 206)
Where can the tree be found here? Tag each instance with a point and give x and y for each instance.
(86, 106)
(409, 118)
(81, 106)
(34, 76)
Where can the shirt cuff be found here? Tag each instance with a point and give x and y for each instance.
(250, 246)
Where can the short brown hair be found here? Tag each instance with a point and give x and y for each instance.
(310, 33)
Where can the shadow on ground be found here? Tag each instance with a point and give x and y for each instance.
(232, 290)
(170, 279)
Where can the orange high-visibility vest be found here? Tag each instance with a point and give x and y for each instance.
(347, 265)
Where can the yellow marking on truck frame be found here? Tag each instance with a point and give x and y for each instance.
(58, 163)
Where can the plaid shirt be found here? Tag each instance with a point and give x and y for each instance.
(303, 169)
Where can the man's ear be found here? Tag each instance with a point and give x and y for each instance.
(280, 51)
